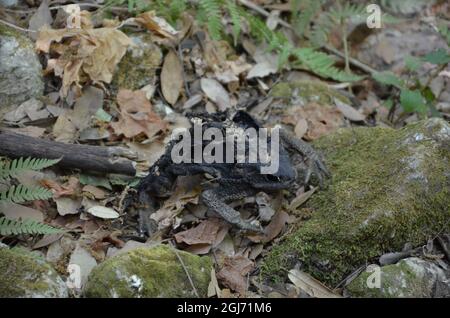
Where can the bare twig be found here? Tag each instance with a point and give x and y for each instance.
(16, 27)
(185, 270)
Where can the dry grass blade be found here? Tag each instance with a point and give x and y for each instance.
(310, 285)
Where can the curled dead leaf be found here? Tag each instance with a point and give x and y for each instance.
(208, 233)
(216, 93)
(234, 271)
(86, 54)
(136, 115)
(156, 24)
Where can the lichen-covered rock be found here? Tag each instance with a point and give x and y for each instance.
(388, 187)
(20, 70)
(138, 67)
(25, 275)
(411, 277)
(303, 92)
(150, 272)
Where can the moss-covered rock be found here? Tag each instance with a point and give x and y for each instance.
(23, 274)
(20, 70)
(138, 67)
(411, 277)
(303, 92)
(150, 272)
(388, 187)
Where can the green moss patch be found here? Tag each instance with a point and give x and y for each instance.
(24, 275)
(150, 272)
(388, 187)
(308, 91)
(139, 65)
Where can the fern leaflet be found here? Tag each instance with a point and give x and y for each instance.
(235, 19)
(21, 193)
(212, 12)
(19, 165)
(14, 227)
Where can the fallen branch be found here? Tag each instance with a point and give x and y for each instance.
(83, 157)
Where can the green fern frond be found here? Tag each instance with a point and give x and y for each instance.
(212, 12)
(233, 11)
(303, 12)
(21, 193)
(336, 17)
(14, 227)
(322, 64)
(19, 165)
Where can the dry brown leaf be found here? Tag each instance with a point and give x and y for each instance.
(96, 193)
(69, 188)
(216, 93)
(229, 71)
(348, 111)
(262, 70)
(186, 191)
(301, 128)
(310, 285)
(64, 130)
(300, 199)
(273, 229)
(234, 271)
(47, 240)
(158, 25)
(171, 77)
(16, 211)
(85, 54)
(321, 119)
(136, 115)
(209, 232)
(67, 205)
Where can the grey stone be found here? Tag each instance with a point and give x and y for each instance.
(20, 70)
(410, 277)
(26, 275)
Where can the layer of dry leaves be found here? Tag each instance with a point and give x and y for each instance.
(81, 107)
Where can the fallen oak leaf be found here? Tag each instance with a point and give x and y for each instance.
(136, 115)
(207, 234)
(69, 188)
(84, 54)
(234, 271)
